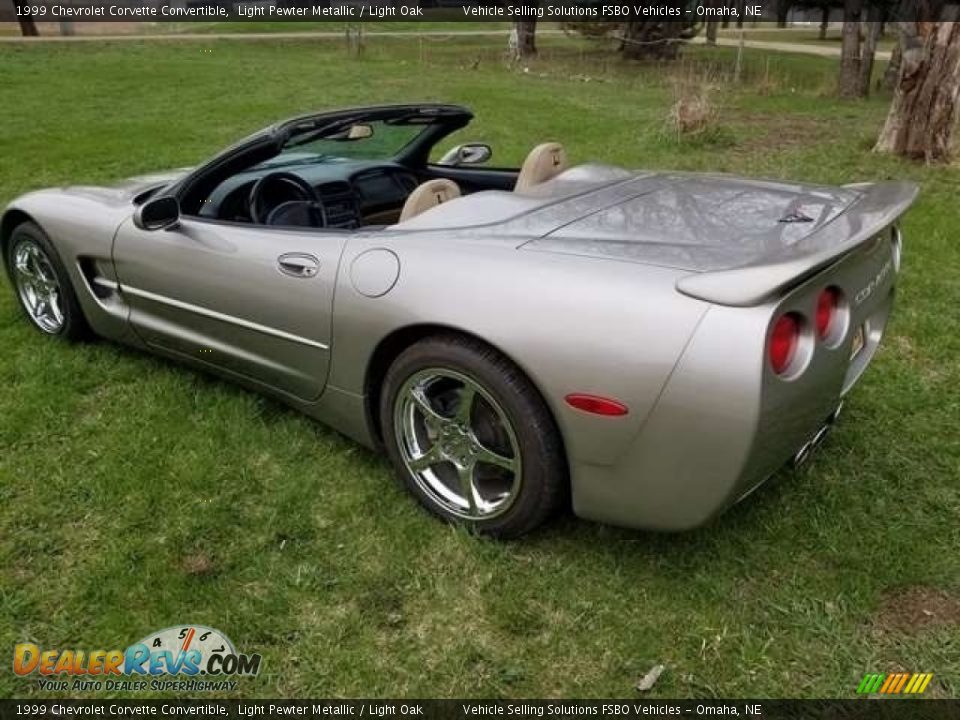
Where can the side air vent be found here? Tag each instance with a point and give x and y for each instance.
(101, 287)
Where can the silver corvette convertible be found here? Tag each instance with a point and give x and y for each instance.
(646, 346)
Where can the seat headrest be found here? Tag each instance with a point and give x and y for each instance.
(544, 162)
(428, 195)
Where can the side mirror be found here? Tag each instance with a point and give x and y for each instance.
(469, 154)
(157, 213)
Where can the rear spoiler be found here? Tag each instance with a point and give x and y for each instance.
(879, 206)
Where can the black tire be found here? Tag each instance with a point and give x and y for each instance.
(542, 486)
(74, 325)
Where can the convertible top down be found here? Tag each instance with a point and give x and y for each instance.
(648, 345)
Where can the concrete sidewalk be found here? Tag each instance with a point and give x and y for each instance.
(802, 48)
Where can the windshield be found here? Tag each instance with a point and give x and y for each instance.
(364, 140)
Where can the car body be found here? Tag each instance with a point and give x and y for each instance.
(642, 307)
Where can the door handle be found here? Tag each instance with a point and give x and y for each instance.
(298, 265)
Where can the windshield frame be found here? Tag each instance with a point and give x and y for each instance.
(267, 143)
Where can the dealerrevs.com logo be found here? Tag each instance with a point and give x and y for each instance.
(184, 657)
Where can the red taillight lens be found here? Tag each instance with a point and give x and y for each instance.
(826, 311)
(783, 342)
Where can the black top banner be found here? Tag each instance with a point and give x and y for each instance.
(888, 709)
(378, 10)
(360, 11)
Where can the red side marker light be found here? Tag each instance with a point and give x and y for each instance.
(596, 405)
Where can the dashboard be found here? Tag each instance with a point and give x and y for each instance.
(353, 192)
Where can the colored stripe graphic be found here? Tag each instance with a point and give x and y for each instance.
(889, 682)
(919, 683)
(870, 683)
(901, 681)
(894, 683)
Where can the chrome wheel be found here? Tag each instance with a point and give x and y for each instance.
(457, 443)
(37, 286)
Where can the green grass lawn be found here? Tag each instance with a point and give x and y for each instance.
(135, 494)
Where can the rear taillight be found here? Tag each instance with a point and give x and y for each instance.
(783, 342)
(827, 304)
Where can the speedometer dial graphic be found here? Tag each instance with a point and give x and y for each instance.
(180, 639)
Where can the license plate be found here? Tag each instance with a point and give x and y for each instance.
(857, 344)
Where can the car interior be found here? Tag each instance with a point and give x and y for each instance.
(367, 171)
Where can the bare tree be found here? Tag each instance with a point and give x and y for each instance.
(907, 11)
(28, 27)
(524, 35)
(868, 50)
(892, 72)
(850, 49)
(712, 26)
(824, 21)
(652, 40)
(783, 9)
(926, 103)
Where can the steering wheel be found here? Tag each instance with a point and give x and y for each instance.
(282, 198)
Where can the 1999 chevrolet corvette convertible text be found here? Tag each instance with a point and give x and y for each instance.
(651, 346)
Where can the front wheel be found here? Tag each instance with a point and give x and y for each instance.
(471, 437)
(42, 284)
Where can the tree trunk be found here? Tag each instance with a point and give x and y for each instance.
(824, 21)
(712, 32)
(652, 40)
(926, 103)
(526, 34)
(783, 8)
(850, 50)
(28, 28)
(872, 31)
(738, 67)
(890, 75)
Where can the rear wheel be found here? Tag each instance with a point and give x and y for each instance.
(471, 437)
(42, 285)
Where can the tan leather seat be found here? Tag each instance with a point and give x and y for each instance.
(544, 162)
(428, 195)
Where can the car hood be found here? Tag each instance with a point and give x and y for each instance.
(124, 191)
(696, 222)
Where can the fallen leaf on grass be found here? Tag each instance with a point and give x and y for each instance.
(650, 679)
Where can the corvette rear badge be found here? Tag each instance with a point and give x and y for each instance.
(795, 216)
